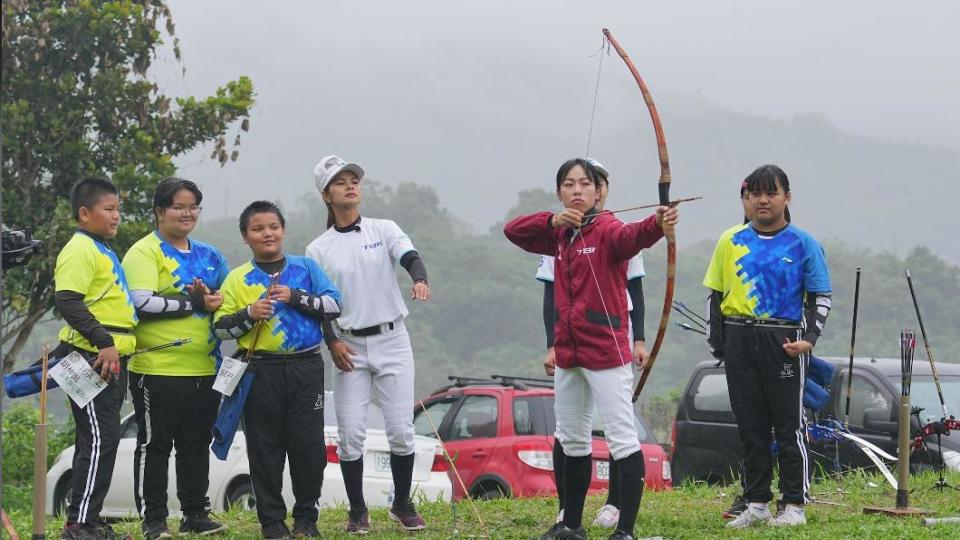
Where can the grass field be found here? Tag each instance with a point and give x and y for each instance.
(691, 511)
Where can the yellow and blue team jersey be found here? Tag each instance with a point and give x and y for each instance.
(766, 276)
(288, 330)
(152, 264)
(86, 265)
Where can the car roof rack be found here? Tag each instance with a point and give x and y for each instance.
(461, 381)
(520, 383)
(517, 382)
(467, 381)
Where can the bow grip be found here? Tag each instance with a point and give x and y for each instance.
(664, 189)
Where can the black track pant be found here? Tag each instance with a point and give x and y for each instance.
(766, 391)
(283, 419)
(172, 412)
(95, 445)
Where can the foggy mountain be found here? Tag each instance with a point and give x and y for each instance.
(481, 100)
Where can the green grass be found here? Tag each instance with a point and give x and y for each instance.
(691, 511)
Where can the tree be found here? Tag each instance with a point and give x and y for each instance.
(77, 101)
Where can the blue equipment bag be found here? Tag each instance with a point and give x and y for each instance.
(26, 382)
(815, 387)
(228, 419)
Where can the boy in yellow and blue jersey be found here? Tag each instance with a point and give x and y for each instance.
(173, 281)
(93, 297)
(768, 306)
(290, 296)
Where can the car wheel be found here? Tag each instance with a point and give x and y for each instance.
(489, 492)
(62, 495)
(241, 496)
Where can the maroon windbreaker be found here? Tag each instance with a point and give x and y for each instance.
(584, 335)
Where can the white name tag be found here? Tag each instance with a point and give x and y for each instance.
(228, 376)
(77, 379)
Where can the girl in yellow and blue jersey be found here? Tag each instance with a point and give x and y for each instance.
(173, 281)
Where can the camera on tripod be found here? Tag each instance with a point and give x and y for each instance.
(18, 247)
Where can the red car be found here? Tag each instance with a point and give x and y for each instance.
(499, 432)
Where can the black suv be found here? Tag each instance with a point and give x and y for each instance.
(706, 445)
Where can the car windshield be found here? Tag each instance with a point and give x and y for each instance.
(923, 393)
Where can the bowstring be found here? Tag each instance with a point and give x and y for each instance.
(603, 303)
(604, 48)
(601, 52)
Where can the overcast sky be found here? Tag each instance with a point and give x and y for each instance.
(481, 99)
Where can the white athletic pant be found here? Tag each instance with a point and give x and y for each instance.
(578, 392)
(383, 372)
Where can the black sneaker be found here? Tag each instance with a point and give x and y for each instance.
(358, 521)
(305, 528)
(275, 531)
(155, 529)
(621, 535)
(405, 513)
(106, 532)
(200, 523)
(79, 531)
(559, 531)
(738, 506)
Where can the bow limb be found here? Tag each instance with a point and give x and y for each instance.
(664, 193)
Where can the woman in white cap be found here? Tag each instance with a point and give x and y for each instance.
(370, 345)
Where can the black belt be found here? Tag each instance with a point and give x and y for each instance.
(118, 330)
(64, 348)
(278, 356)
(769, 323)
(374, 330)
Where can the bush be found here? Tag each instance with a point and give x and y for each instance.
(18, 440)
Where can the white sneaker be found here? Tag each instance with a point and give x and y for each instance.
(559, 517)
(792, 515)
(607, 517)
(751, 516)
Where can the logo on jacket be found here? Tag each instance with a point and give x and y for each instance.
(373, 245)
(586, 250)
(319, 404)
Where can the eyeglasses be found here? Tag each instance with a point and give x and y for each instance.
(187, 210)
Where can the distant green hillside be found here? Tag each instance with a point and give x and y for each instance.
(485, 316)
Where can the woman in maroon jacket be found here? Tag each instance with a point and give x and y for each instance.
(592, 349)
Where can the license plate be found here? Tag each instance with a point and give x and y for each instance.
(603, 470)
(382, 462)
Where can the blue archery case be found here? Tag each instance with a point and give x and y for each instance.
(26, 382)
(816, 391)
(228, 418)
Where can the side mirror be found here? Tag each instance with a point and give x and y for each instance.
(879, 420)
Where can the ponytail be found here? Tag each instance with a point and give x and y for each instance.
(330, 218)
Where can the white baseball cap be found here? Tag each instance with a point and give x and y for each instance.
(329, 167)
(599, 167)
